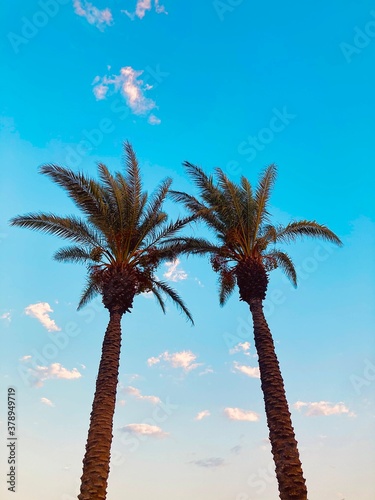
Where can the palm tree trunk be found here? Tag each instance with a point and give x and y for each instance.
(98, 447)
(281, 433)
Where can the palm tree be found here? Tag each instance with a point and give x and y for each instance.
(244, 255)
(122, 239)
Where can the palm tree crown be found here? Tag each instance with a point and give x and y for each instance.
(123, 238)
(246, 249)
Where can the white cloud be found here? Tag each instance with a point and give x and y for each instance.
(202, 414)
(47, 402)
(182, 359)
(250, 371)
(133, 391)
(131, 88)
(39, 374)
(324, 408)
(143, 6)
(99, 18)
(174, 274)
(239, 414)
(6, 316)
(241, 347)
(144, 430)
(40, 311)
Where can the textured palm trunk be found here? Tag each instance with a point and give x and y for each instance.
(281, 433)
(98, 448)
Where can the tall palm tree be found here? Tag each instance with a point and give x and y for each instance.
(244, 255)
(122, 239)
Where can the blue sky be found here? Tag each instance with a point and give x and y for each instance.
(222, 83)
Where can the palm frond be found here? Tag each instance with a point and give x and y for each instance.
(227, 283)
(307, 228)
(88, 293)
(195, 246)
(71, 228)
(173, 295)
(262, 196)
(86, 193)
(133, 180)
(159, 299)
(277, 258)
(73, 254)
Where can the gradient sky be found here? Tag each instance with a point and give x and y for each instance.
(231, 83)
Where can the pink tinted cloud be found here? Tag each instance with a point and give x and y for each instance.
(182, 359)
(96, 17)
(323, 408)
(133, 391)
(240, 414)
(144, 430)
(131, 87)
(202, 414)
(142, 7)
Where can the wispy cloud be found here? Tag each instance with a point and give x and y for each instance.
(47, 402)
(39, 374)
(236, 450)
(206, 371)
(182, 359)
(250, 371)
(209, 463)
(131, 87)
(40, 311)
(6, 316)
(202, 414)
(323, 408)
(144, 430)
(239, 414)
(174, 274)
(142, 7)
(99, 18)
(241, 347)
(25, 358)
(133, 391)
(154, 120)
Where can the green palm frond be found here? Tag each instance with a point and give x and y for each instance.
(195, 246)
(207, 214)
(73, 254)
(88, 293)
(71, 227)
(152, 216)
(159, 299)
(306, 228)
(227, 283)
(86, 193)
(280, 259)
(173, 295)
(262, 196)
(133, 180)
